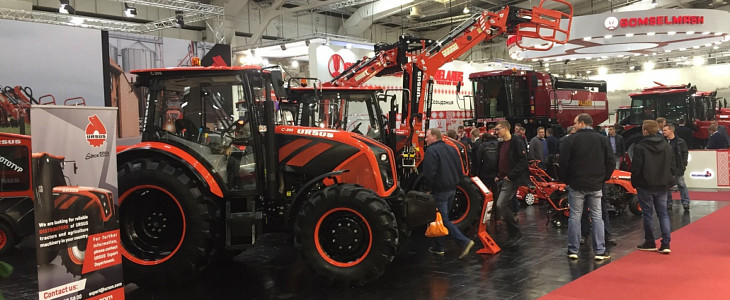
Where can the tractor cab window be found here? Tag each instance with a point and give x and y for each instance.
(500, 96)
(15, 171)
(197, 114)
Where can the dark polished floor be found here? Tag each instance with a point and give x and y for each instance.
(272, 270)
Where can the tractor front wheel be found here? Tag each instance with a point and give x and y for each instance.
(634, 206)
(7, 238)
(467, 205)
(347, 234)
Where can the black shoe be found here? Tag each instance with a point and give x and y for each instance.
(664, 250)
(686, 206)
(602, 256)
(513, 241)
(611, 242)
(647, 246)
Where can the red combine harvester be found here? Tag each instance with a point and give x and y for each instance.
(674, 102)
(535, 99)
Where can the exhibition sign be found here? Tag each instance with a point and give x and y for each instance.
(708, 169)
(74, 175)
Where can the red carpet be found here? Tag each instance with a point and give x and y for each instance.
(697, 268)
(708, 196)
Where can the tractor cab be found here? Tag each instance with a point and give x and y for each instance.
(193, 110)
(351, 109)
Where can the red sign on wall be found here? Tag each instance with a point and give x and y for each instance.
(337, 65)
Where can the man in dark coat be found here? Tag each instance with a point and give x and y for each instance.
(486, 160)
(652, 173)
(511, 173)
(617, 144)
(577, 152)
(441, 173)
(717, 140)
(685, 132)
(681, 156)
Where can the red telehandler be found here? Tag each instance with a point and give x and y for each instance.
(419, 60)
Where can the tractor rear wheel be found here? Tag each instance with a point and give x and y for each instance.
(167, 223)
(347, 234)
(467, 205)
(7, 238)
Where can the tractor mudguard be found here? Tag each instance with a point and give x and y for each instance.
(184, 158)
(623, 179)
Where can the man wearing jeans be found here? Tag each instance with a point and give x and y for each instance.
(652, 173)
(511, 173)
(441, 172)
(681, 155)
(586, 161)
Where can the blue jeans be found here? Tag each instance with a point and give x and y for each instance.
(683, 191)
(586, 226)
(593, 199)
(443, 203)
(507, 191)
(651, 200)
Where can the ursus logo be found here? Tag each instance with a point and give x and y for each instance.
(95, 132)
(611, 23)
(336, 65)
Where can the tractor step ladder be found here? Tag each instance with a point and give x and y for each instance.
(490, 246)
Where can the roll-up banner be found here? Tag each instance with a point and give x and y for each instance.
(75, 179)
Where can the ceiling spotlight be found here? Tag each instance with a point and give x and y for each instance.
(629, 34)
(283, 47)
(415, 13)
(466, 9)
(295, 64)
(671, 32)
(306, 42)
(654, 4)
(129, 11)
(650, 33)
(328, 42)
(66, 8)
(179, 20)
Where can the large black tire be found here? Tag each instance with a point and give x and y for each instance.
(467, 205)
(8, 239)
(347, 234)
(634, 206)
(616, 196)
(167, 223)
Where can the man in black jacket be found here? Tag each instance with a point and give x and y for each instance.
(441, 172)
(578, 153)
(685, 132)
(652, 173)
(486, 160)
(617, 144)
(511, 173)
(681, 155)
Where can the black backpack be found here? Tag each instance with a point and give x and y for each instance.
(488, 159)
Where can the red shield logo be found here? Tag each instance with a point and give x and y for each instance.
(336, 65)
(95, 132)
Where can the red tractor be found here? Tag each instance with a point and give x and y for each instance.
(536, 99)
(358, 110)
(674, 102)
(211, 182)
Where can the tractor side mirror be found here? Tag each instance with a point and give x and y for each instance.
(277, 82)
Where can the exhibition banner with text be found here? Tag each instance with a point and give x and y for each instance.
(74, 174)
